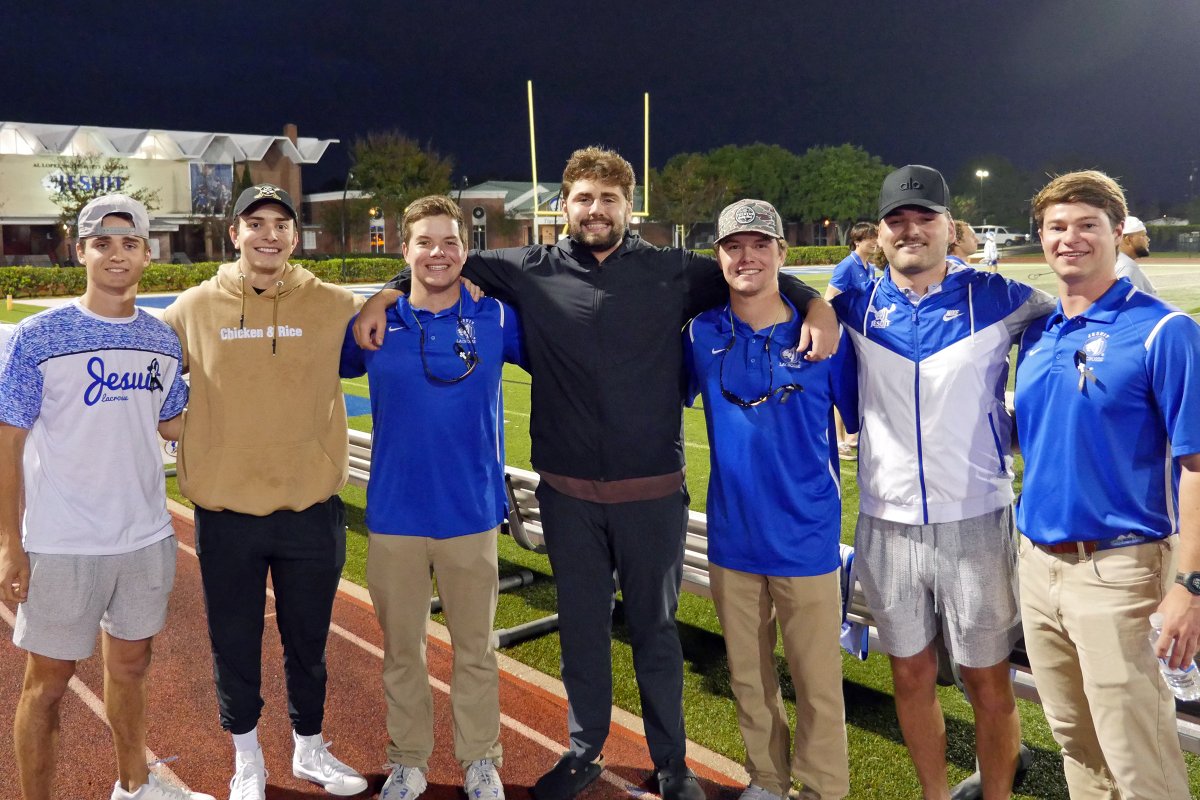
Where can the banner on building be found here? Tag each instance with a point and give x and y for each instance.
(212, 189)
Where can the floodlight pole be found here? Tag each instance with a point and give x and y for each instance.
(533, 160)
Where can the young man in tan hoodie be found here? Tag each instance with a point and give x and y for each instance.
(263, 456)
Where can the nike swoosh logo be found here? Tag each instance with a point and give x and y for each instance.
(718, 350)
(395, 328)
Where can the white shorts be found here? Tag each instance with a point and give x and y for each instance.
(962, 573)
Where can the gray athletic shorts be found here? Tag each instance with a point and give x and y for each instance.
(963, 573)
(72, 596)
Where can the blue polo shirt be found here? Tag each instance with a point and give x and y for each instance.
(1099, 460)
(437, 455)
(852, 272)
(774, 492)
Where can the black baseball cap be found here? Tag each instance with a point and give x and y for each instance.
(914, 185)
(263, 193)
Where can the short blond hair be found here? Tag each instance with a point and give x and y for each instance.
(433, 205)
(601, 165)
(1088, 186)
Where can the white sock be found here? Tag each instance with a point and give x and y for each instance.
(246, 742)
(308, 742)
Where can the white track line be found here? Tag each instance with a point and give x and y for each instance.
(444, 688)
(89, 698)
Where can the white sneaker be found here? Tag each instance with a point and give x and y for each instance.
(756, 792)
(483, 781)
(249, 780)
(153, 790)
(312, 761)
(404, 783)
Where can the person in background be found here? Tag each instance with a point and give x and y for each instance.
(1135, 244)
(965, 244)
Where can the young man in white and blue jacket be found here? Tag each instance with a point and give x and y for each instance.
(934, 540)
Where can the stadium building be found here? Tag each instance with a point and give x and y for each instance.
(193, 173)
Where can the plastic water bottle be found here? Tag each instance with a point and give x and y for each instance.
(1183, 682)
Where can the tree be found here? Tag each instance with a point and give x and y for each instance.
(395, 170)
(688, 190)
(81, 179)
(1004, 197)
(840, 184)
(358, 219)
(762, 171)
(244, 182)
(965, 207)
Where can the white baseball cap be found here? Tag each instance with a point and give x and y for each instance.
(1133, 225)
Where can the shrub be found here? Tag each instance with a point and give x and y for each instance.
(807, 256)
(66, 281)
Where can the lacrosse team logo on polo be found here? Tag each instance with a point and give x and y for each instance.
(1097, 345)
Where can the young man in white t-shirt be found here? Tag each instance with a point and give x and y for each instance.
(84, 390)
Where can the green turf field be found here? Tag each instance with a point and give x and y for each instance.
(19, 312)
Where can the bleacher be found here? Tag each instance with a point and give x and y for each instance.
(525, 526)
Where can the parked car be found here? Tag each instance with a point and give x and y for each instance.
(1004, 236)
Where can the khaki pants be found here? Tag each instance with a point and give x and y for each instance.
(1087, 635)
(398, 578)
(809, 617)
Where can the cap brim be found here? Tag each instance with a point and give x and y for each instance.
(890, 207)
(263, 201)
(750, 230)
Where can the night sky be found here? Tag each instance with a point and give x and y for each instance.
(1109, 83)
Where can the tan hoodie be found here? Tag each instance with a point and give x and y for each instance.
(265, 427)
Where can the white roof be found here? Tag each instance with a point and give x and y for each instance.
(31, 138)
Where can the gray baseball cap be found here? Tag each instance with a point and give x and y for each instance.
(264, 193)
(91, 217)
(749, 216)
(914, 185)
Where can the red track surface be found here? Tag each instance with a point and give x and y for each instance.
(183, 714)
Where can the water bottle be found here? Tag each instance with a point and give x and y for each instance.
(1183, 682)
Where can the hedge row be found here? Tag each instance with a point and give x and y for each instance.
(809, 256)
(66, 281)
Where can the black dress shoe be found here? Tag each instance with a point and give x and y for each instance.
(570, 776)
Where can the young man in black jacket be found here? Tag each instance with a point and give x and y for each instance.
(602, 311)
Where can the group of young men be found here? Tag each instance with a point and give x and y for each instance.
(1107, 400)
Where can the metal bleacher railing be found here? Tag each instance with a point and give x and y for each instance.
(525, 526)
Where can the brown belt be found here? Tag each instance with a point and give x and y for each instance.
(1069, 548)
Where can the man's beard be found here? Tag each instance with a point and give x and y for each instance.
(1141, 251)
(598, 241)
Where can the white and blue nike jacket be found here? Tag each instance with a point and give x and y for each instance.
(934, 444)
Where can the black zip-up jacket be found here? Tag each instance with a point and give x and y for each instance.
(604, 347)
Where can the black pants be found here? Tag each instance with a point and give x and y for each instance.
(642, 543)
(304, 552)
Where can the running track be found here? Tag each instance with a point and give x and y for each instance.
(183, 717)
